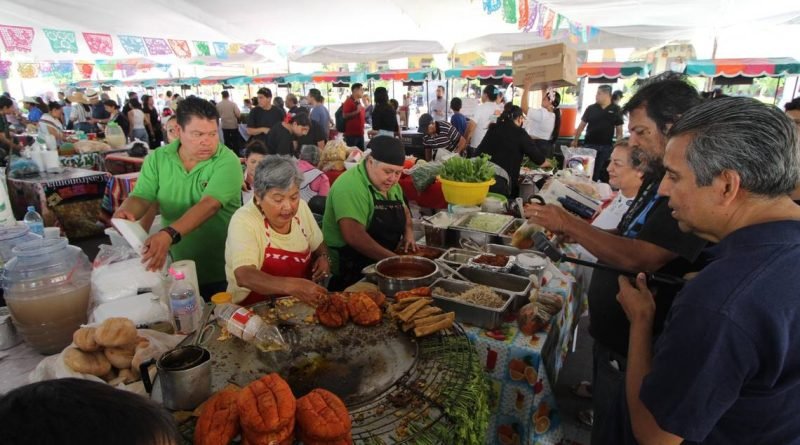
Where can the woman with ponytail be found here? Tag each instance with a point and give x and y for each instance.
(542, 124)
(507, 142)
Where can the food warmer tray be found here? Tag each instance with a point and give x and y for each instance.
(484, 317)
(516, 285)
(397, 389)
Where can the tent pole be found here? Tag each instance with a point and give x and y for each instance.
(777, 87)
(249, 94)
(427, 96)
(446, 98)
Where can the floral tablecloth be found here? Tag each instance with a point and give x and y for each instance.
(88, 161)
(522, 371)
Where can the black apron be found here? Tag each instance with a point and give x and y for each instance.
(386, 228)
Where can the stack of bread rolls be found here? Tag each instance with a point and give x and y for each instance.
(112, 351)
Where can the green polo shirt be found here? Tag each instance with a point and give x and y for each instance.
(351, 196)
(164, 179)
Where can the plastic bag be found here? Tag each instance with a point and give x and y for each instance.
(580, 160)
(142, 309)
(333, 155)
(118, 272)
(423, 175)
(53, 367)
(523, 236)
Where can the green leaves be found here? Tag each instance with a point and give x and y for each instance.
(467, 170)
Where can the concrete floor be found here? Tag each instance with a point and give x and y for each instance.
(577, 367)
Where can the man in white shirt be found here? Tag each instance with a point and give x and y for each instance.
(229, 116)
(439, 105)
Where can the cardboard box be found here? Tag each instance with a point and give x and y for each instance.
(551, 66)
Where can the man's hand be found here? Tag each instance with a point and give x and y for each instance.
(551, 217)
(306, 291)
(155, 250)
(124, 214)
(637, 302)
(409, 244)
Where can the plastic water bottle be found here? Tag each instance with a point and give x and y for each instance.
(245, 324)
(183, 305)
(34, 220)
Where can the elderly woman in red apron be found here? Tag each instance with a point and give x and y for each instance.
(274, 245)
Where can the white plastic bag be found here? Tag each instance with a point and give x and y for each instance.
(579, 160)
(124, 279)
(142, 309)
(53, 367)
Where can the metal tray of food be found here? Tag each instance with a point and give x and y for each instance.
(458, 256)
(481, 316)
(506, 265)
(494, 223)
(516, 285)
(505, 236)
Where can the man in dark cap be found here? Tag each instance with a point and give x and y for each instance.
(366, 217)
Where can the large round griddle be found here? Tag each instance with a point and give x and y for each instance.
(394, 386)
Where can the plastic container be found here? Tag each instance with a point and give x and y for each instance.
(34, 221)
(115, 137)
(245, 324)
(47, 288)
(12, 236)
(465, 193)
(186, 313)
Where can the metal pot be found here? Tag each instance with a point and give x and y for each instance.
(185, 377)
(401, 273)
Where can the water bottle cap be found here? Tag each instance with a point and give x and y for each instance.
(221, 298)
(179, 275)
(31, 208)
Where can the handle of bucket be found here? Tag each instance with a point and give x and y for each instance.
(144, 371)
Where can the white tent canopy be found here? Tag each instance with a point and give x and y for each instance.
(352, 30)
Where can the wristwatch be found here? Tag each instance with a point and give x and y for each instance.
(174, 234)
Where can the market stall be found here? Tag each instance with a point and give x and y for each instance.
(70, 200)
(607, 72)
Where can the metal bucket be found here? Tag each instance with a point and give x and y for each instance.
(185, 377)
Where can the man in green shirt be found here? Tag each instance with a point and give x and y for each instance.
(197, 183)
(365, 213)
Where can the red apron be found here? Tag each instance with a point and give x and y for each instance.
(282, 263)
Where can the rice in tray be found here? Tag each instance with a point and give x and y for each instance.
(478, 295)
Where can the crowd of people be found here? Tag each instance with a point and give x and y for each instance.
(706, 195)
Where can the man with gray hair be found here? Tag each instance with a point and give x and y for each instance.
(726, 369)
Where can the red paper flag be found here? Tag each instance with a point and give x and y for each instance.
(17, 38)
(547, 29)
(99, 43)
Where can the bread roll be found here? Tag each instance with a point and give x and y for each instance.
(116, 332)
(120, 357)
(125, 376)
(94, 363)
(84, 340)
(142, 353)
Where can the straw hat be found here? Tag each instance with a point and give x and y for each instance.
(78, 97)
(91, 95)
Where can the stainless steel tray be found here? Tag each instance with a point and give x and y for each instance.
(516, 285)
(458, 256)
(462, 223)
(484, 317)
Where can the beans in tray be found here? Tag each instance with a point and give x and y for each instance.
(492, 260)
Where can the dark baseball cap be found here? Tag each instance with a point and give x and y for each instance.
(388, 150)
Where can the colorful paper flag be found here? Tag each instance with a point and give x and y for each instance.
(221, 50)
(5, 68)
(510, 11)
(27, 70)
(180, 48)
(524, 14)
(133, 45)
(250, 48)
(533, 18)
(99, 43)
(157, 47)
(492, 6)
(202, 48)
(233, 48)
(61, 41)
(17, 38)
(85, 69)
(106, 68)
(547, 28)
